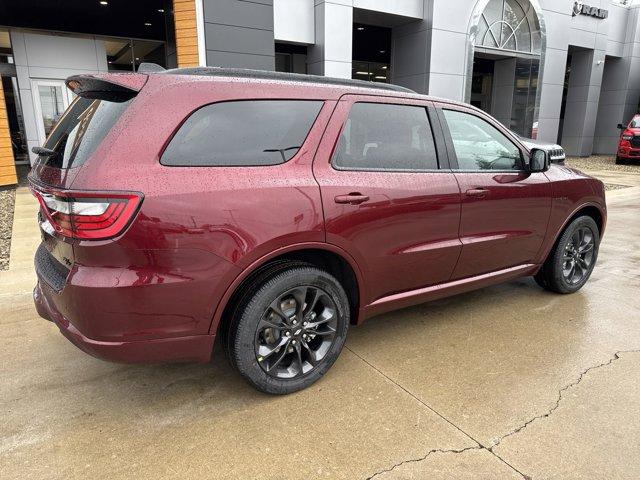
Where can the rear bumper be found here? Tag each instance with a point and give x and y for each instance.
(195, 348)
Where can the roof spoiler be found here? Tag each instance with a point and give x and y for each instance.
(116, 87)
(146, 67)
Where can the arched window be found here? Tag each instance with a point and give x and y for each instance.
(509, 25)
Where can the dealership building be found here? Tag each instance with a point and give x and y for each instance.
(557, 70)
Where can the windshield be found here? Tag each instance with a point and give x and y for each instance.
(80, 130)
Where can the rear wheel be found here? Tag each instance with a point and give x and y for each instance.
(572, 259)
(288, 328)
(620, 161)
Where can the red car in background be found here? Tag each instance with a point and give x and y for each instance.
(274, 210)
(629, 145)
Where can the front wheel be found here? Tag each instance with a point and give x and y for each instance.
(573, 257)
(289, 329)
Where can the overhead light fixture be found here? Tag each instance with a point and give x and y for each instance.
(384, 67)
(360, 29)
(104, 3)
(161, 10)
(380, 77)
(383, 51)
(137, 58)
(362, 73)
(147, 24)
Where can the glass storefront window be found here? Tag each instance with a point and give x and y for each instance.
(524, 97)
(509, 25)
(509, 32)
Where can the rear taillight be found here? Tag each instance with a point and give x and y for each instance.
(88, 215)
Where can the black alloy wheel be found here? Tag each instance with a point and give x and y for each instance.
(296, 332)
(579, 255)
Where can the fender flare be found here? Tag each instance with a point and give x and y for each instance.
(246, 272)
(549, 247)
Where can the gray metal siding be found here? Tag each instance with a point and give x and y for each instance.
(239, 33)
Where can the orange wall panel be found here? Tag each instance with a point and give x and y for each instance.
(186, 32)
(7, 162)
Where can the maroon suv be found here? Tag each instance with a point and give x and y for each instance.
(274, 210)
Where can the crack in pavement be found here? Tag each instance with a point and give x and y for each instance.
(479, 446)
(615, 357)
(417, 460)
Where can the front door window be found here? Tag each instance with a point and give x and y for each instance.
(479, 145)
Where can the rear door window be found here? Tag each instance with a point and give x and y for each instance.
(379, 136)
(80, 130)
(242, 133)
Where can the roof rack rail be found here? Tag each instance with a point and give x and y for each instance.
(291, 77)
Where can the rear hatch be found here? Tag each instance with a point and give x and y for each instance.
(67, 216)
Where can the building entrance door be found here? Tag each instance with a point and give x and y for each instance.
(50, 99)
(508, 44)
(482, 84)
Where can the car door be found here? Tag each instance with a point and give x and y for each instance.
(387, 200)
(505, 207)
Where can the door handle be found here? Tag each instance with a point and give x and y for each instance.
(351, 199)
(477, 192)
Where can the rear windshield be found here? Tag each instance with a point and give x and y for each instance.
(80, 131)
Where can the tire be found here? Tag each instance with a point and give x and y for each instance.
(556, 273)
(620, 161)
(540, 278)
(274, 352)
(240, 297)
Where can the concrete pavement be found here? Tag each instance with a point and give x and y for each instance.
(506, 382)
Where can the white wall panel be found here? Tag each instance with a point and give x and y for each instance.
(293, 21)
(405, 8)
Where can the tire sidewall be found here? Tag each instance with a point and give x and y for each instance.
(258, 302)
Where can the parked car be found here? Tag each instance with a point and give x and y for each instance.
(276, 210)
(629, 144)
(555, 152)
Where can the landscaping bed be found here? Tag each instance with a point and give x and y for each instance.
(7, 201)
(602, 162)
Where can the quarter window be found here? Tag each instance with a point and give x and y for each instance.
(479, 145)
(379, 136)
(242, 133)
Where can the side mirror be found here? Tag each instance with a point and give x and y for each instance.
(539, 161)
(621, 127)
